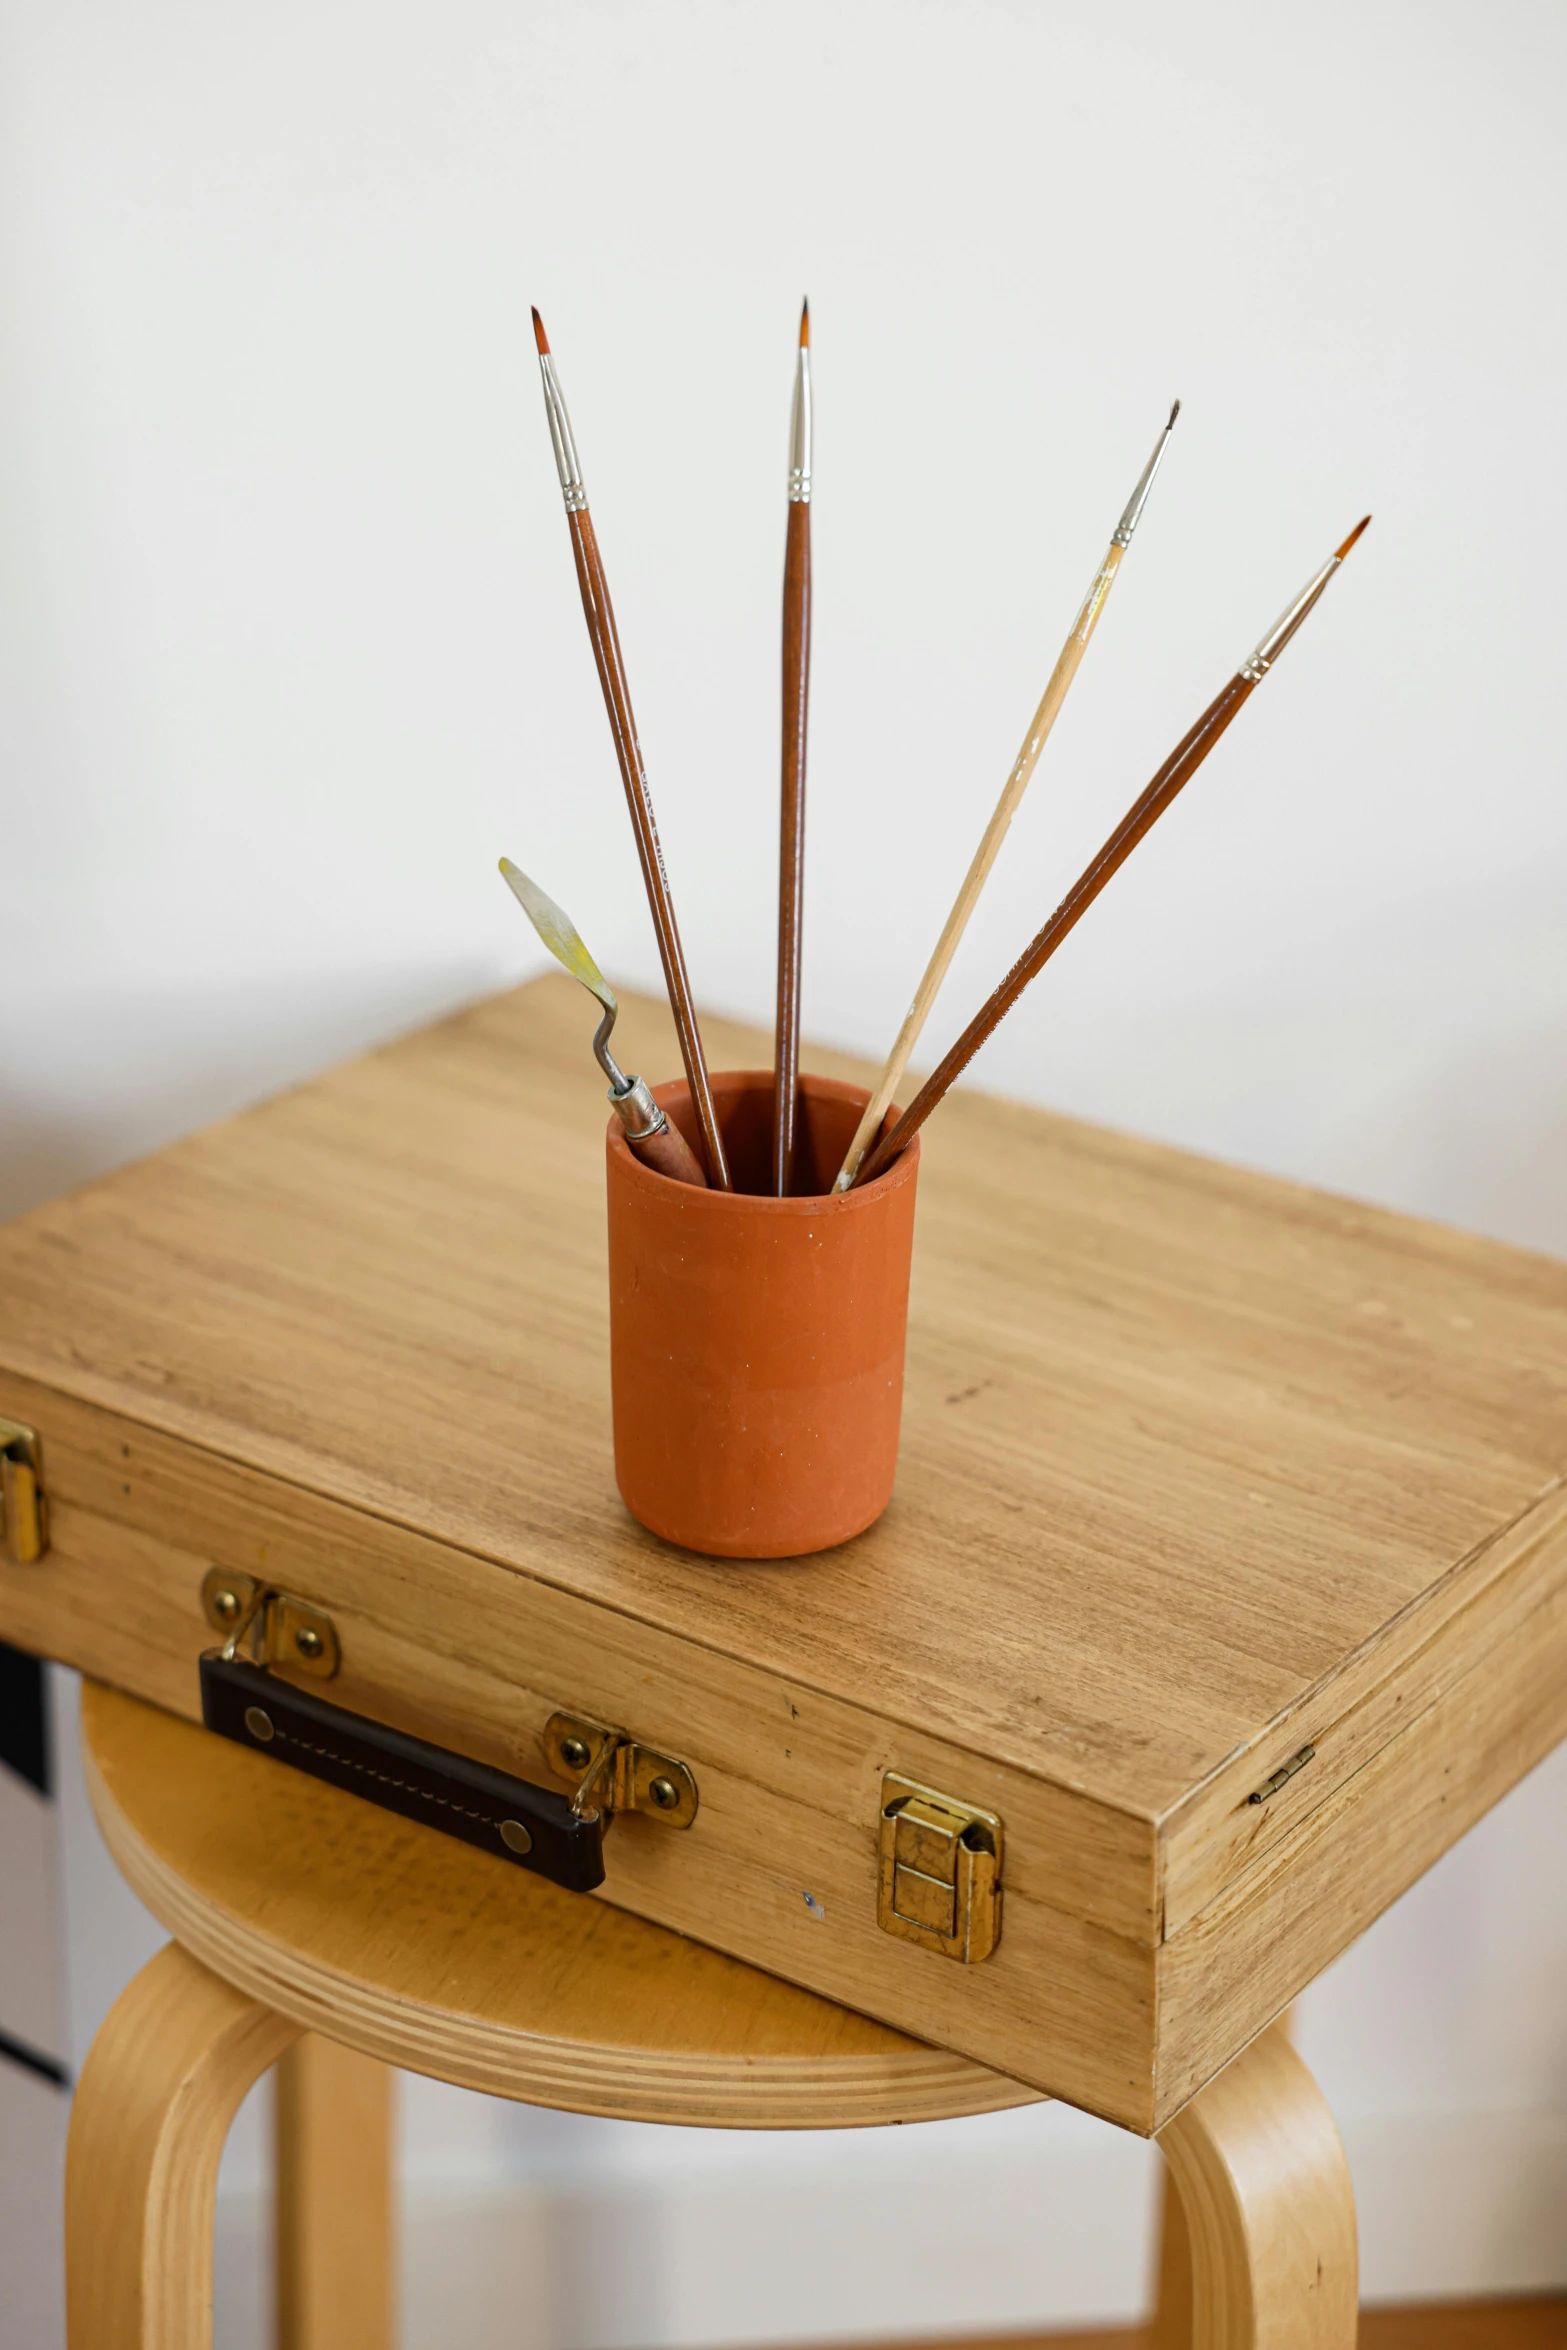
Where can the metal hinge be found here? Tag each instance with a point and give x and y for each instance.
(279, 1629)
(1283, 1775)
(24, 1506)
(612, 1772)
(939, 1879)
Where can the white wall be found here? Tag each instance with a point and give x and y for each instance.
(290, 650)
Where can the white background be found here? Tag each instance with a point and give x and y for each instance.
(290, 650)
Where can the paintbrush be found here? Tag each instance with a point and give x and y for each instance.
(1006, 808)
(1182, 763)
(648, 1130)
(796, 699)
(600, 616)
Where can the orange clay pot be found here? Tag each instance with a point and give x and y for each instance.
(756, 1344)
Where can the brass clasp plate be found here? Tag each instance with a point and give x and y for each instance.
(24, 1509)
(611, 1772)
(280, 1629)
(939, 1879)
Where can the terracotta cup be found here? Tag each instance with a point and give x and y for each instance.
(756, 1344)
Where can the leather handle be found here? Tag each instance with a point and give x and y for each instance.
(532, 1827)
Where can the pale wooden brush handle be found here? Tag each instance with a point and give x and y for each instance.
(978, 873)
(1183, 763)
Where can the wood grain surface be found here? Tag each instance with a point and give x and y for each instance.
(1198, 1469)
(466, 1654)
(398, 1942)
(1285, 1919)
(1186, 1439)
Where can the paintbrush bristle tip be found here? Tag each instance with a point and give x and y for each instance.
(805, 326)
(1174, 413)
(539, 336)
(1363, 524)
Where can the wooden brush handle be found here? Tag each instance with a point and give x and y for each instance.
(670, 1154)
(1183, 762)
(985, 855)
(791, 846)
(602, 633)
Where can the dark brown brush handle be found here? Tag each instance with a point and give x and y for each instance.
(791, 844)
(670, 1154)
(1183, 762)
(628, 751)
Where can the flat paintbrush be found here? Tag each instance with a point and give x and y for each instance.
(1006, 808)
(1182, 763)
(796, 699)
(600, 617)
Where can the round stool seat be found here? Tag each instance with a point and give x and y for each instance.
(393, 1939)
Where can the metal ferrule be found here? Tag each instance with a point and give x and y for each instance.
(567, 463)
(1285, 626)
(800, 432)
(1122, 536)
(637, 1111)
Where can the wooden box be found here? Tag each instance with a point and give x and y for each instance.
(1199, 1472)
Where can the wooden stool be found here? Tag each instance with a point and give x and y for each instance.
(311, 1927)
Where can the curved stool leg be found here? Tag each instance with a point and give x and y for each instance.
(1269, 2209)
(176, 2053)
(1171, 2325)
(334, 2199)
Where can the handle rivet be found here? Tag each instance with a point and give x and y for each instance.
(664, 1793)
(515, 1836)
(225, 1604)
(574, 1753)
(258, 1724)
(308, 1641)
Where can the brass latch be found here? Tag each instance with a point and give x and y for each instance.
(280, 1629)
(611, 1772)
(24, 1507)
(939, 1881)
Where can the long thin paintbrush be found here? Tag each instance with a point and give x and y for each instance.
(600, 617)
(1017, 783)
(796, 701)
(1182, 763)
